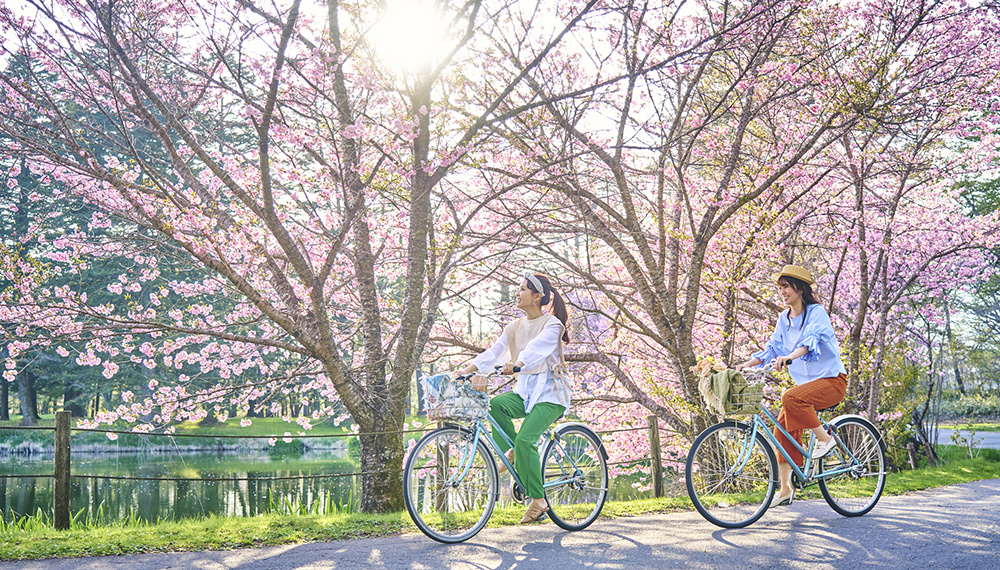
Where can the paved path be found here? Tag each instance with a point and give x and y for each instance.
(956, 527)
(989, 438)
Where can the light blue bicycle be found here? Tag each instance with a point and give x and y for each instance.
(732, 472)
(451, 483)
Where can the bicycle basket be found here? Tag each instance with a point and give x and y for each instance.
(729, 393)
(448, 398)
(746, 392)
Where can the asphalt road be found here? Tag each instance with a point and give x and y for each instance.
(982, 439)
(956, 527)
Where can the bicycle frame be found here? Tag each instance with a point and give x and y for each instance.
(760, 426)
(468, 453)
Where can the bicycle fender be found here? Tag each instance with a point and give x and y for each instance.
(586, 428)
(863, 420)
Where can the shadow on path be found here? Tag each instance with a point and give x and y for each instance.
(950, 527)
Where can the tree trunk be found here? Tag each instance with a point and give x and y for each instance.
(382, 470)
(29, 414)
(4, 400)
(951, 346)
(729, 324)
(33, 394)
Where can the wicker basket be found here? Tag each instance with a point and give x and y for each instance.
(448, 397)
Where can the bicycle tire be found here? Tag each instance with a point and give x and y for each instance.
(726, 499)
(456, 511)
(855, 492)
(577, 456)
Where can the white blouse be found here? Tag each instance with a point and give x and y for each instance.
(539, 351)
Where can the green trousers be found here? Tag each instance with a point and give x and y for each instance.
(508, 406)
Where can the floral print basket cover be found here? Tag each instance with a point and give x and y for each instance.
(447, 397)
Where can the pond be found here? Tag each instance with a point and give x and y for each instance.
(97, 493)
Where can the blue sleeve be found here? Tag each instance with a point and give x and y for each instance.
(772, 349)
(818, 331)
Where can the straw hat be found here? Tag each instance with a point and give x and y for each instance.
(800, 273)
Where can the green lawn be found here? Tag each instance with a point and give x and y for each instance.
(991, 426)
(259, 428)
(35, 538)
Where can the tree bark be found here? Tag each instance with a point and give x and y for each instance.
(29, 413)
(951, 345)
(4, 400)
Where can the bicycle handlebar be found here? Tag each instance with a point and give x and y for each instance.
(496, 372)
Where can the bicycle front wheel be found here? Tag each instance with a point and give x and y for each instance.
(857, 488)
(575, 475)
(450, 484)
(731, 477)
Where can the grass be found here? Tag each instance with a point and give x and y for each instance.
(260, 427)
(965, 426)
(34, 537)
(213, 533)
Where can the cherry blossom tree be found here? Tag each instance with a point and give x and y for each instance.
(715, 150)
(279, 156)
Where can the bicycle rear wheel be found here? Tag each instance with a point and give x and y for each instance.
(731, 477)
(576, 462)
(855, 491)
(449, 495)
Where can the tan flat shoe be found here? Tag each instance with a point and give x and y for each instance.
(510, 457)
(782, 500)
(534, 513)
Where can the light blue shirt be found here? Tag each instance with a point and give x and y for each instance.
(816, 334)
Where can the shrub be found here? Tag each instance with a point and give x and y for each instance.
(970, 406)
(282, 448)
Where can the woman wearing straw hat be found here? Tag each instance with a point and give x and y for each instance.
(805, 343)
(534, 344)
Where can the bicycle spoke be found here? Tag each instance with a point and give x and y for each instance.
(575, 475)
(727, 496)
(450, 485)
(857, 488)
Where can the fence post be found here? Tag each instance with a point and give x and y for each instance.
(60, 517)
(654, 452)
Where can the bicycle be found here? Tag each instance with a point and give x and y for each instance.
(451, 483)
(731, 470)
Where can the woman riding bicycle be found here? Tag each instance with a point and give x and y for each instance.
(534, 343)
(805, 343)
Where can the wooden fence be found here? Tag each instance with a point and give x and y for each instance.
(63, 475)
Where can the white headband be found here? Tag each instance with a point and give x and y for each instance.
(534, 281)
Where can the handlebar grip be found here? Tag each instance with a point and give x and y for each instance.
(517, 369)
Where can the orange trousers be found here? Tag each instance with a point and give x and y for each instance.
(798, 410)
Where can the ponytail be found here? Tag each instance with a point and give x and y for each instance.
(549, 294)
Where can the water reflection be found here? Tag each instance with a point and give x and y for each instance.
(98, 492)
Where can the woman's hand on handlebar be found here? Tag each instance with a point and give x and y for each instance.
(747, 364)
(782, 362)
(479, 382)
(512, 367)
